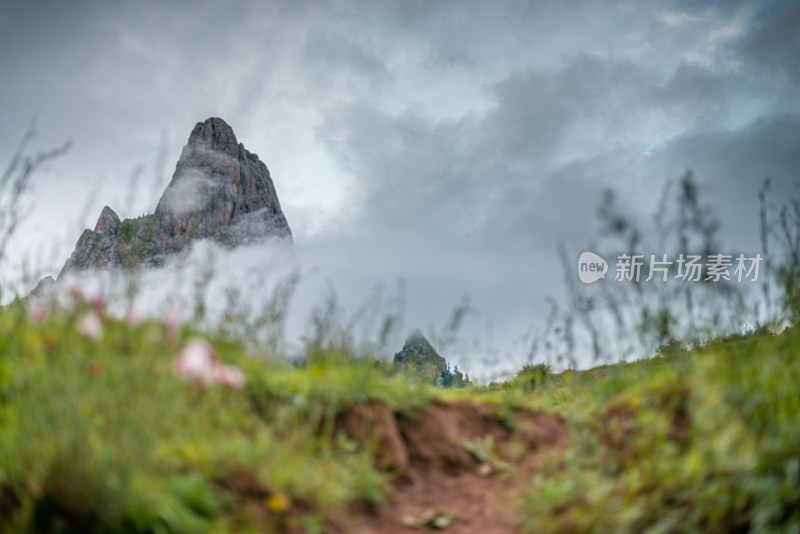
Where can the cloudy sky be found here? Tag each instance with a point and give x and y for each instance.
(447, 144)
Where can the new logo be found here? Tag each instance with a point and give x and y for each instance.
(591, 267)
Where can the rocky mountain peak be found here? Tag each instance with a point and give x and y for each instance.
(214, 134)
(419, 360)
(219, 191)
(417, 342)
(418, 352)
(107, 222)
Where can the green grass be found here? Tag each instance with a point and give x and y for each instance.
(101, 435)
(706, 440)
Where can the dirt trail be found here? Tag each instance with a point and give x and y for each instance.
(460, 466)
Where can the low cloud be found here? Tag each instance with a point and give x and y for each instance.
(191, 191)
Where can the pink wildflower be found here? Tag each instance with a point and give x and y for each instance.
(230, 376)
(89, 325)
(172, 327)
(198, 362)
(131, 315)
(37, 311)
(98, 302)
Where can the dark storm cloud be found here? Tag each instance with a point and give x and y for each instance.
(341, 63)
(731, 167)
(775, 45)
(551, 138)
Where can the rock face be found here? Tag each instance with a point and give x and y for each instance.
(44, 287)
(219, 191)
(419, 360)
(98, 247)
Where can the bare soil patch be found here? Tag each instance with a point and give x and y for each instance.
(459, 466)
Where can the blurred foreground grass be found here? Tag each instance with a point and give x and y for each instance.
(100, 434)
(700, 440)
(97, 433)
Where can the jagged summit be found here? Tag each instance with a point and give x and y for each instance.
(219, 191)
(216, 134)
(416, 340)
(107, 222)
(417, 352)
(420, 360)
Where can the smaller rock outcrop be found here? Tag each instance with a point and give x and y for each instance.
(419, 354)
(43, 287)
(98, 247)
(419, 360)
(108, 222)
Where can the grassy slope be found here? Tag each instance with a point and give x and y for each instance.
(102, 436)
(706, 440)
